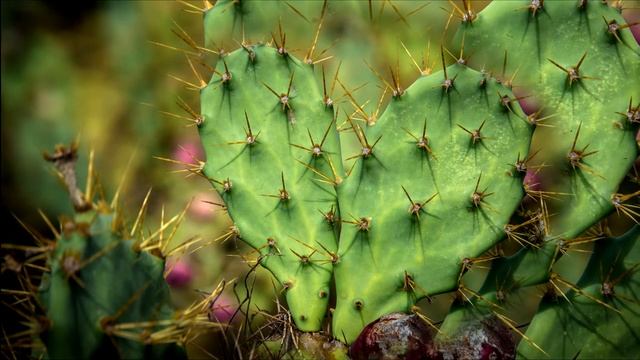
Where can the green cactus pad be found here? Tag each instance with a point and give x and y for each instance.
(601, 317)
(273, 153)
(527, 267)
(96, 280)
(229, 18)
(413, 209)
(579, 61)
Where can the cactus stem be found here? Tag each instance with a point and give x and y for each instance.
(64, 160)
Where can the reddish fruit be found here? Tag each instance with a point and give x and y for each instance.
(395, 336)
(487, 339)
(532, 180)
(633, 17)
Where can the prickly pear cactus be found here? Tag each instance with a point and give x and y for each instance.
(578, 61)
(81, 305)
(437, 181)
(444, 160)
(273, 154)
(600, 316)
(101, 293)
(226, 18)
(590, 146)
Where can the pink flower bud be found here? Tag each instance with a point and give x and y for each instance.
(188, 151)
(221, 310)
(178, 273)
(203, 207)
(532, 180)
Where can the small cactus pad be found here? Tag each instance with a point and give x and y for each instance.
(273, 154)
(580, 63)
(436, 180)
(600, 316)
(97, 281)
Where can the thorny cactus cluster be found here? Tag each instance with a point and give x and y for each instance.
(455, 174)
(97, 289)
(444, 178)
